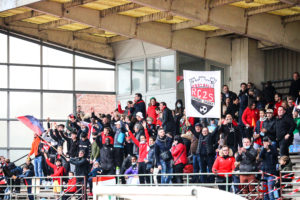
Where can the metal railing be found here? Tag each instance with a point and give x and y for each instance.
(242, 189)
(38, 190)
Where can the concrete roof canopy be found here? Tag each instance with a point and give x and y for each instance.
(189, 26)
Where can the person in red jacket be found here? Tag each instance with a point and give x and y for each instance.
(105, 134)
(249, 118)
(58, 170)
(278, 102)
(178, 152)
(143, 146)
(151, 109)
(71, 189)
(224, 164)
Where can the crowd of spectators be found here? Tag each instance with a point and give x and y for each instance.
(256, 128)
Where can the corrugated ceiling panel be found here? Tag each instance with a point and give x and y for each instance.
(206, 28)
(41, 19)
(287, 11)
(106, 34)
(15, 11)
(256, 3)
(140, 12)
(105, 4)
(174, 20)
(73, 27)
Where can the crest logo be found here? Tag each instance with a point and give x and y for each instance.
(203, 93)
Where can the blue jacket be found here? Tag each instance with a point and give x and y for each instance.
(139, 106)
(94, 172)
(269, 160)
(27, 174)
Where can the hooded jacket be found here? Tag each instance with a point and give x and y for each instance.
(224, 164)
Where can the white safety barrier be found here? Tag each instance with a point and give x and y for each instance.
(162, 193)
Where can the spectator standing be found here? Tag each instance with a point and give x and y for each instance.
(196, 131)
(151, 109)
(258, 134)
(226, 93)
(269, 92)
(119, 140)
(168, 123)
(249, 118)
(179, 154)
(285, 127)
(163, 155)
(224, 164)
(295, 85)
(247, 158)
(243, 99)
(296, 132)
(268, 128)
(269, 158)
(72, 188)
(139, 105)
(38, 160)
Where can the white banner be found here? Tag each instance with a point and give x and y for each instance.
(202, 92)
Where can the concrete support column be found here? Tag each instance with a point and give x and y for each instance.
(247, 63)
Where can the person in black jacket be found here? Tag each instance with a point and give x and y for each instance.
(85, 145)
(226, 93)
(269, 158)
(139, 105)
(207, 150)
(229, 134)
(269, 92)
(268, 128)
(168, 123)
(233, 109)
(284, 127)
(196, 131)
(72, 147)
(295, 85)
(82, 167)
(107, 157)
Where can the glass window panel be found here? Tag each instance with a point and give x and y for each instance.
(18, 130)
(86, 62)
(22, 51)
(153, 74)
(94, 80)
(3, 76)
(3, 48)
(138, 76)
(57, 79)
(3, 134)
(24, 103)
(3, 153)
(16, 154)
(53, 106)
(168, 72)
(55, 57)
(124, 78)
(3, 104)
(24, 77)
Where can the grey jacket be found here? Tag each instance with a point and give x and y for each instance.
(247, 160)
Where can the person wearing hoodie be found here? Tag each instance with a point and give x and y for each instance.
(224, 164)
(143, 146)
(151, 109)
(163, 155)
(247, 158)
(249, 118)
(258, 134)
(269, 157)
(179, 154)
(119, 140)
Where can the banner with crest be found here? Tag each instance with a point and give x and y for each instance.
(202, 92)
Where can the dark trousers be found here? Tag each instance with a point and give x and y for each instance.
(284, 147)
(178, 169)
(222, 179)
(119, 156)
(142, 170)
(108, 171)
(206, 163)
(30, 196)
(90, 180)
(67, 195)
